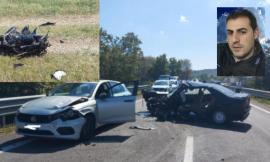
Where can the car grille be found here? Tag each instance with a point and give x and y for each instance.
(28, 118)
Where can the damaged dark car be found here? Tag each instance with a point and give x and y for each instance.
(203, 100)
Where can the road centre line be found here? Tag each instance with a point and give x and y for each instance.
(189, 150)
(15, 145)
(259, 108)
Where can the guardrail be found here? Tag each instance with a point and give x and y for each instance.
(252, 92)
(9, 106)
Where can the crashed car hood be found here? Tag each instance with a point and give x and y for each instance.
(48, 105)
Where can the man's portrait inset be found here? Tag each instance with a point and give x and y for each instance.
(241, 53)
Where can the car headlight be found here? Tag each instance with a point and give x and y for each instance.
(68, 114)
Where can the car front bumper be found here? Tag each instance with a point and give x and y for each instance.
(69, 129)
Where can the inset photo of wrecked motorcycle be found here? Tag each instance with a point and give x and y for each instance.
(47, 41)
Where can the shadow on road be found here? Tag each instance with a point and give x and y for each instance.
(47, 145)
(110, 139)
(233, 126)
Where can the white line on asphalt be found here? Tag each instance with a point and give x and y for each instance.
(259, 108)
(15, 145)
(139, 100)
(189, 150)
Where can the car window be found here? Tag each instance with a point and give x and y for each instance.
(206, 91)
(103, 89)
(173, 82)
(161, 83)
(192, 91)
(119, 90)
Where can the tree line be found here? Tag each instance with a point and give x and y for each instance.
(122, 59)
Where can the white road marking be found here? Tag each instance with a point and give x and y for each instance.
(139, 100)
(189, 150)
(15, 145)
(259, 108)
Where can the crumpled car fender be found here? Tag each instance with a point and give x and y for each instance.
(87, 110)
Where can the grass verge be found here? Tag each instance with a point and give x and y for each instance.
(78, 66)
(7, 129)
(64, 32)
(261, 100)
(23, 8)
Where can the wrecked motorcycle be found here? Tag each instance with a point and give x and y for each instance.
(26, 42)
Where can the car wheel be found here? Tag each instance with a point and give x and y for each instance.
(219, 117)
(88, 129)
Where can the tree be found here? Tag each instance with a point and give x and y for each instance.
(146, 66)
(130, 47)
(173, 66)
(110, 56)
(120, 58)
(161, 66)
(186, 69)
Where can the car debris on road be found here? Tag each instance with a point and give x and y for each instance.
(141, 128)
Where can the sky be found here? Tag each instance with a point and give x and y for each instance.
(179, 28)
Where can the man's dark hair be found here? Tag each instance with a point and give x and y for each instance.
(243, 13)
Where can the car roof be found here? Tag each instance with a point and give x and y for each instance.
(217, 87)
(100, 81)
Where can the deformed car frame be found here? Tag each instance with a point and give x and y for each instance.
(24, 43)
(205, 100)
(75, 110)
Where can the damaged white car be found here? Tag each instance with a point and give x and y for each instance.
(75, 110)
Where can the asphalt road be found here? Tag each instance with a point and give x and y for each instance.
(184, 141)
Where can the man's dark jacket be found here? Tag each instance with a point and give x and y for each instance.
(254, 66)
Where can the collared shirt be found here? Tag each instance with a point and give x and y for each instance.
(227, 66)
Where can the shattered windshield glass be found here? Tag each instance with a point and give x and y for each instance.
(74, 89)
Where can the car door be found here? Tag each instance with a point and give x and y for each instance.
(117, 106)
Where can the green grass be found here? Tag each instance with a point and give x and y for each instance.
(7, 129)
(78, 55)
(79, 67)
(69, 32)
(261, 100)
(24, 8)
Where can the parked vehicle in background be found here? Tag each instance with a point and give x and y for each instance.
(174, 78)
(75, 110)
(162, 86)
(205, 100)
(164, 77)
(174, 83)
